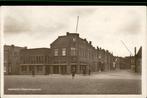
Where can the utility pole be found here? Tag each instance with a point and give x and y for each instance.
(77, 24)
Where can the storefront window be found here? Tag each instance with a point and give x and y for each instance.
(39, 68)
(23, 68)
(30, 68)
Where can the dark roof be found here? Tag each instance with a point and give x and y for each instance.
(139, 53)
(13, 46)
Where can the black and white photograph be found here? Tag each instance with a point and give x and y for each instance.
(74, 50)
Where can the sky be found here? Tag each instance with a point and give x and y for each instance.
(105, 26)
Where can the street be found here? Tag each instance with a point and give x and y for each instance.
(115, 82)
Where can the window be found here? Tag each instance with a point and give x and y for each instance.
(99, 56)
(74, 39)
(30, 68)
(39, 59)
(55, 52)
(63, 51)
(23, 68)
(73, 51)
(43, 59)
(39, 68)
(73, 60)
(31, 59)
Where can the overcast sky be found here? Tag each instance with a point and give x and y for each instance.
(105, 26)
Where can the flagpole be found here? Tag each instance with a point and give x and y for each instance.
(77, 24)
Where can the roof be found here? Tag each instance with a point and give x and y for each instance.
(139, 53)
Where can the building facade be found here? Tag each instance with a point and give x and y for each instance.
(68, 53)
(139, 60)
(125, 62)
(12, 59)
(72, 53)
(136, 61)
(34, 61)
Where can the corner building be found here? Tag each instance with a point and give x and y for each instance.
(72, 53)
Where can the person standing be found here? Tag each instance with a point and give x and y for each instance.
(84, 71)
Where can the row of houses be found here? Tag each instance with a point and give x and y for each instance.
(134, 63)
(66, 54)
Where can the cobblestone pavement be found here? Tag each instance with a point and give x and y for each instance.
(115, 82)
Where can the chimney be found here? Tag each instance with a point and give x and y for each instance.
(67, 33)
(97, 48)
(135, 51)
(90, 42)
(12, 45)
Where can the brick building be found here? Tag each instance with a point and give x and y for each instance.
(66, 54)
(70, 52)
(139, 60)
(125, 62)
(34, 61)
(131, 62)
(12, 59)
(136, 63)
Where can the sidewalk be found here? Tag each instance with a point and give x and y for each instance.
(119, 74)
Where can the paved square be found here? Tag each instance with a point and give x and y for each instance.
(117, 82)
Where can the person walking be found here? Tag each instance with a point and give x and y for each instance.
(73, 74)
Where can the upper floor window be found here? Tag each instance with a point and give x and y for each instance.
(55, 52)
(100, 56)
(63, 51)
(74, 39)
(73, 51)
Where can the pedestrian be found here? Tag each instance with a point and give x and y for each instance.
(73, 74)
(84, 72)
